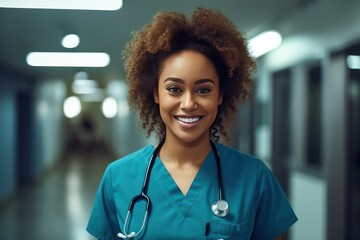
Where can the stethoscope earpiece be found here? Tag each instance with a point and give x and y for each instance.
(220, 208)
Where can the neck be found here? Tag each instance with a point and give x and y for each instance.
(181, 153)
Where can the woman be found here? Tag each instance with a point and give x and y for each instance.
(186, 77)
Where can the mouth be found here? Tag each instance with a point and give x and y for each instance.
(188, 119)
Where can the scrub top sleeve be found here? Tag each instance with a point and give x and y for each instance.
(103, 221)
(274, 214)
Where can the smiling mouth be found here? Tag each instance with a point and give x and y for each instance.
(188, 119)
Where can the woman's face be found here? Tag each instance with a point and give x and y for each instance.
(188, 96)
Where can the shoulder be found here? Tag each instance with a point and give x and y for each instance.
(233, 156)
(241, 163)
(132, 160)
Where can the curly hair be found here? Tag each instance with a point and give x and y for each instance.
(209, 32)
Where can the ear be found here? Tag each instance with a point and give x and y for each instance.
(220, 99)
(156, 95)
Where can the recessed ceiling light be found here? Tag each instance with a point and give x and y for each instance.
(109, 107)
(68, 59)
(109, 5)
(70, 41)
(81, 75)
(72, 107)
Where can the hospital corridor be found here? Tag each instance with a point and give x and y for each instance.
(58, 205)
(64, 112)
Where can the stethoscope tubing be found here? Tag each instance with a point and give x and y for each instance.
(143, 195)
(149, 167)
(219, 172)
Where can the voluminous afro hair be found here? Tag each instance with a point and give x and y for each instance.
(208, 32)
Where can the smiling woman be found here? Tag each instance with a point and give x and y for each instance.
(186, 77)
(229, 55)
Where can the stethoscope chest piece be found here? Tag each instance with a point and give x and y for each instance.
(220, 208)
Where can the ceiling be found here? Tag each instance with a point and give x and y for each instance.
(26, 30)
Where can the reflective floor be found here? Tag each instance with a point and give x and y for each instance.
(59, 204)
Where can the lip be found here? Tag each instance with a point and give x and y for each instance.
(188, 121)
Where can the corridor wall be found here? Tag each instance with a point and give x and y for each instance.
(30, 129)
(7, 144)
(10, 85)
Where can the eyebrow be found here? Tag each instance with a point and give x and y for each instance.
(179, 80)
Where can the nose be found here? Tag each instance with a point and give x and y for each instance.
(188, 102)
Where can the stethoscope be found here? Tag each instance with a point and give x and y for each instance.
(220, 207)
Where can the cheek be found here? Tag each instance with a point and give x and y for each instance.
(165, 103)
(211, 106)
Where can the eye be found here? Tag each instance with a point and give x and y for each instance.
(203, 90)
(174, 89)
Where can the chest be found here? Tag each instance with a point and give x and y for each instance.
(175, 215)
(183, 177)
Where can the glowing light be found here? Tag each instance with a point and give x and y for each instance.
(109, 107)
(81, 75)
(84, 86)
(70, 41)
(264, 43)
(72, 107)
(109, 5)
(68, 59)
(353, 61)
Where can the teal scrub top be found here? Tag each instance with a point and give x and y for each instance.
(259, 209)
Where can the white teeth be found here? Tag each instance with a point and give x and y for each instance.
(188, 120)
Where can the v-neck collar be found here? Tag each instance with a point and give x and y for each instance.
(171, 189)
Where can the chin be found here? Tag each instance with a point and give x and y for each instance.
(192, 140)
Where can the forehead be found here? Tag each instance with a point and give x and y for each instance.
(188, 63)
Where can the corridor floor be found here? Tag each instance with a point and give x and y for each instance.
(59, 204)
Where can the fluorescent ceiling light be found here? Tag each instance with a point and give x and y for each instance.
(87, 83)
(68, 59)
(85, 86)
(264, 43)
(79, 90)
(70, 41)
(353, 61)
(109, 5)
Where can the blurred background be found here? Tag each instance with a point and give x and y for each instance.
(64, 113)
